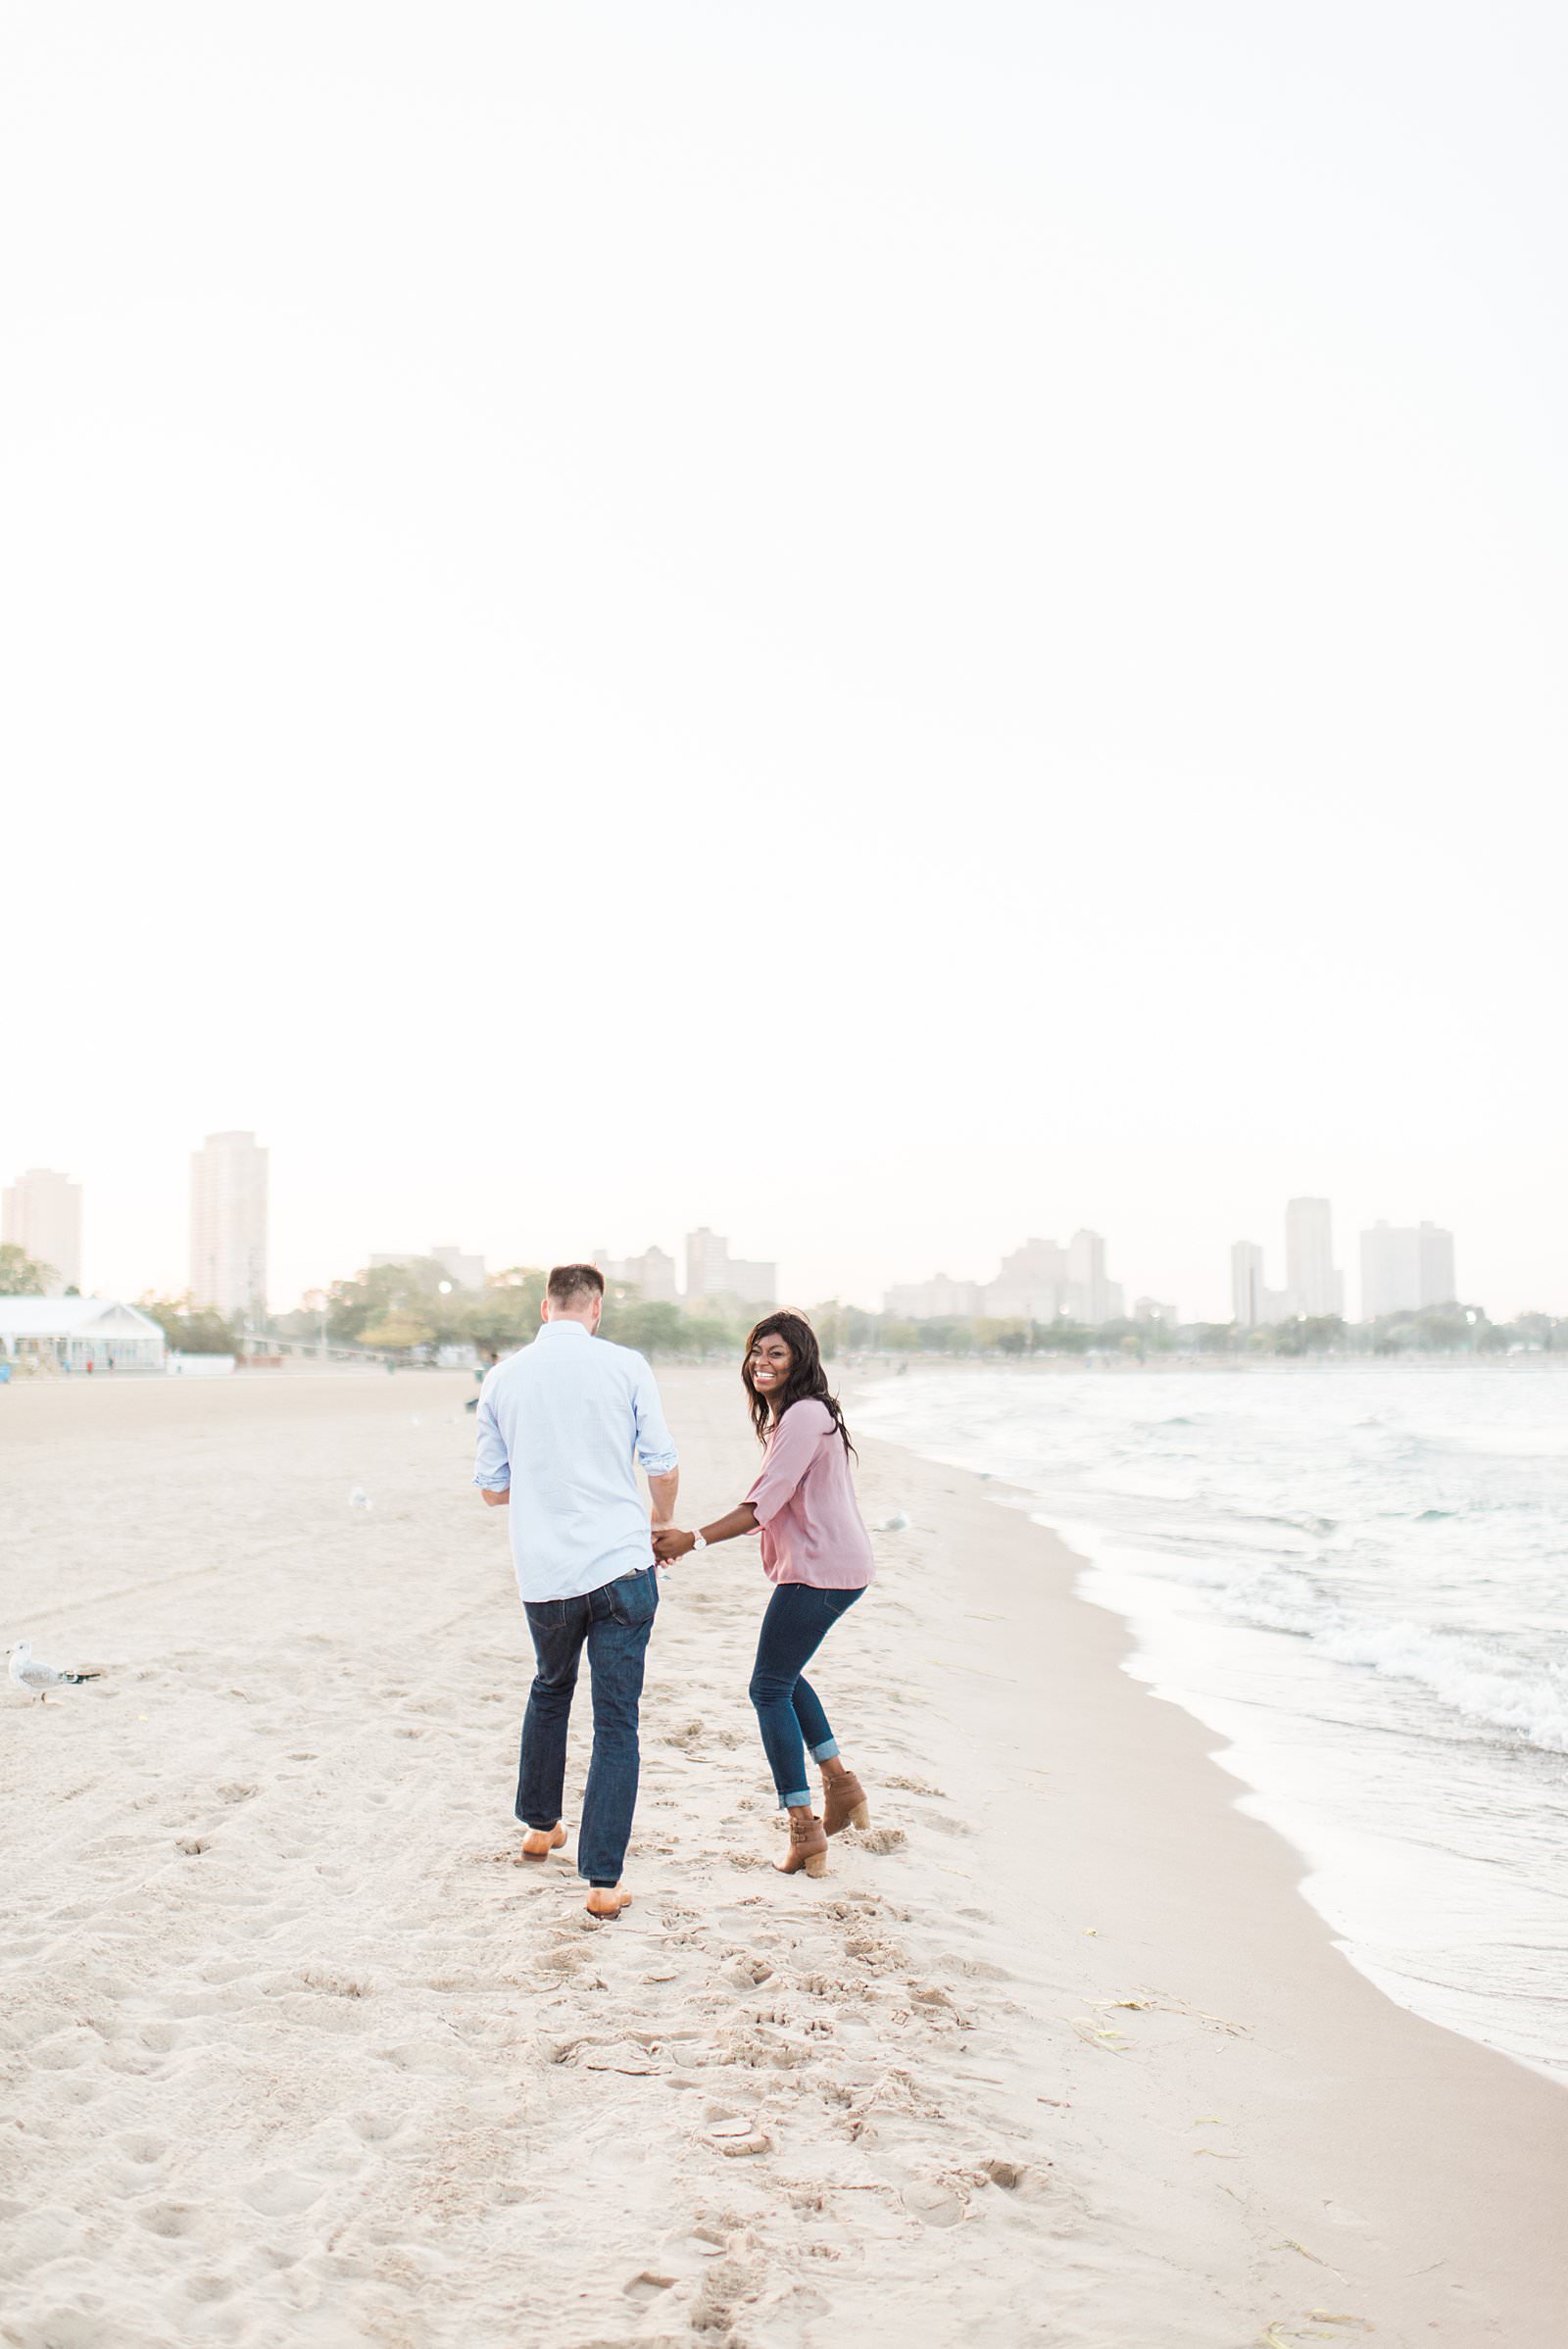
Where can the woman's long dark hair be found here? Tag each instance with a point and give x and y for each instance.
(807, 1380)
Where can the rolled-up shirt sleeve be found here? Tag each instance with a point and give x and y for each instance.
(492, 1470)
(794, 1444)
(655, 1447)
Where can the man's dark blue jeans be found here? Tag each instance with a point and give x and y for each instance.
(614, 1624)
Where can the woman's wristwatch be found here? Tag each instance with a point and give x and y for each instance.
(698, 1541)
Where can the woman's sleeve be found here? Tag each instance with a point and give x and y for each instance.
(794, 1447)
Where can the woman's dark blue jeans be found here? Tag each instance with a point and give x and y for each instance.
(789, 1711)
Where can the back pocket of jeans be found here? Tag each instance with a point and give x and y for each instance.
(634, 1597)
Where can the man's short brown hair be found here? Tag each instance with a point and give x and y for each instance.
(570, 1282)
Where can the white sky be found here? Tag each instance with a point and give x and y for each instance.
(886, 627)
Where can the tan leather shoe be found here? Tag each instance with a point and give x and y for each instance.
(808, 1845)
(540, 1842)
(844, 1803)
(606, 1902)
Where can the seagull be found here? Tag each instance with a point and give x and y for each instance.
(898, 1523)
(36, 1678)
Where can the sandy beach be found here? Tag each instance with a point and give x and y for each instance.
(296, 2052)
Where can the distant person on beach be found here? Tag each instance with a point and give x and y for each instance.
(817, 1554)
(562, 1427)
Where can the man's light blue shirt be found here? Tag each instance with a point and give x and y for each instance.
(565, 1424)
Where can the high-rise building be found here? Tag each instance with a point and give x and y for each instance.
(1247, 1293)
(1405, 1267)
(937, 1299)
(652, 1274)
(1311, 1284)
(229, 1227)
(711, 1271)
(41, 1213)
(1439, 1283)
(1091, 1297)
(1031, 1286)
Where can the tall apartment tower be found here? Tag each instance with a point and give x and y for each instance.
(1249, 1296)
(1311, 1283)
(711, 1271)
(1032, 1285)
(41, 1213)
(1091, 1296)
(1404, 1267)
(1434, 1253)
(229, 1227)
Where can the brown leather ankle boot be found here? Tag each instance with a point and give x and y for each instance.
(808, 1845)
(844, 1803)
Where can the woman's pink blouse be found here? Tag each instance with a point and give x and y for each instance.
(812, 1527)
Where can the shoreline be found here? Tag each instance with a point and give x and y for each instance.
(1344, 1719)
(1056, 2053)
(1391, 2131)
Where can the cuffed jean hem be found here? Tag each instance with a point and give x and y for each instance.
(795, 1802)
(827, 1751)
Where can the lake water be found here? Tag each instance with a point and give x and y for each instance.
(1360, 1578)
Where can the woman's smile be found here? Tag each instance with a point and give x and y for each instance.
(769, 1365)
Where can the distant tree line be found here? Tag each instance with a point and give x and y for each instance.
(1451, 1328)
(415, 1307)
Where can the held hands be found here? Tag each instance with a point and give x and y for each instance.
(669, 1543)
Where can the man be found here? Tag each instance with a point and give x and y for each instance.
(560, 1428)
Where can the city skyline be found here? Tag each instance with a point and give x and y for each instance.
(1402, 1267)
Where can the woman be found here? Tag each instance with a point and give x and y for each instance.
(817, 1554)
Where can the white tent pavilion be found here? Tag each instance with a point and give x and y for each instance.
(80, 1332)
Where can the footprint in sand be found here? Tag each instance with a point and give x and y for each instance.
(280, 2193)
(647, 2287)
(170, 2219)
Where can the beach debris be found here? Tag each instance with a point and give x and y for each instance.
(1145, 2002)
(1290, 2243)
(33, 1676)
(359, 1499)
(1097, 2035)
(737, 2138)
(898, 1523)
(1323, 2315)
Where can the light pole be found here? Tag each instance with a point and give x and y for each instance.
(316, 1300)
